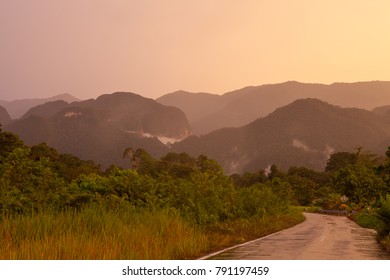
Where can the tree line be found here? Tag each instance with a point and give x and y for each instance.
(39, 179)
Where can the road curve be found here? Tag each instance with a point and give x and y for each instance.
(320, 237)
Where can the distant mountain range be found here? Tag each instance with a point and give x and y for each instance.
(244, 130)
(208, 112)
(17, 108)
(303, 133)
(102, 129)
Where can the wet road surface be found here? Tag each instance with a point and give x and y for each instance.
(320, 237)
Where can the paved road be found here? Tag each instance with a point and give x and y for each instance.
(320, 237)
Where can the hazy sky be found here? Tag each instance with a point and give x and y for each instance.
(152, 47)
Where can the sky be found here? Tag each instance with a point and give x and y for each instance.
(152, 47)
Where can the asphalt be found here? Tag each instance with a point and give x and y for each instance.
(319, 237)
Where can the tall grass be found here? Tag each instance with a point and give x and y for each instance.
(243, 230)
(372, 220)
(96, 233)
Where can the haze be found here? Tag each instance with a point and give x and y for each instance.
(151, 47)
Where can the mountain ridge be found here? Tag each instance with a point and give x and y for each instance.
(302, 133)
(5, 118)
(101, 129)
(17, 108)
(244, 105)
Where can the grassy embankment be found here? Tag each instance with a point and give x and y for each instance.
(371, 219)
(96, 233)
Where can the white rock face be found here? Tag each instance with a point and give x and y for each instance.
(72, 114)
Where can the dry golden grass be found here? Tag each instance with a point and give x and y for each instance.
(243, 230)
(93, 233)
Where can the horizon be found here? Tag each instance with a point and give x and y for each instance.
(183, 90)
(96, 47)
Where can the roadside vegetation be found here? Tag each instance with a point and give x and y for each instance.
(56, 206)
(378, 219)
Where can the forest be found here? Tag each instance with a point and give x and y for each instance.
(57, 206)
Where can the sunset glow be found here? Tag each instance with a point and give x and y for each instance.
(152, 47)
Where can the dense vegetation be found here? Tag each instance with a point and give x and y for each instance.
(56, 206)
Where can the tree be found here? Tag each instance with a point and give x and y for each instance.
(340, 160)
(304, 190)
(384, 169)
(249, 179)
(8, 143)
(359, 183)
(29, 185)
(204, 164)
(146, 164)
(275, 173)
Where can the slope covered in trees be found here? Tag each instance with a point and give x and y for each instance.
(101, 129)
(303, 133)
(5, 118)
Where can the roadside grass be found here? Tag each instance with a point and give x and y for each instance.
(370, 219)
(386, 242)
(308, 209)
(242, 230)
(95, 233)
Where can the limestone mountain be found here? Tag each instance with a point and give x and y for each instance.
(303, 133)
(17, 108)
(240, 107)
(46, 110)
(101, 129)
(4, 116)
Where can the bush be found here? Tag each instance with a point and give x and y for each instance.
(384, 210)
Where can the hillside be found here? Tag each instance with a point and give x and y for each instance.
(303, 133)
(102, 129)
(46, 110)
(195, 105)
(17, 108)
(4, 116)
(240, 107)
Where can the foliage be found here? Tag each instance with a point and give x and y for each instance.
(340, 160)
(359, 183)
(369, 219)
(178, 197)
(384, 209)
(27, 185)
(8, 142)
(39, 185)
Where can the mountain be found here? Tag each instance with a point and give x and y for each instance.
(17, 108)
(240, 107)
(102, 129)
(303, 133)
(4, 116)
(195, 105)
(382, 110)
(46, 110)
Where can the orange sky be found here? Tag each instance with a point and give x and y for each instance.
(152, 47)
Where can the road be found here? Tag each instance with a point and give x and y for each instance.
(320, 237)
